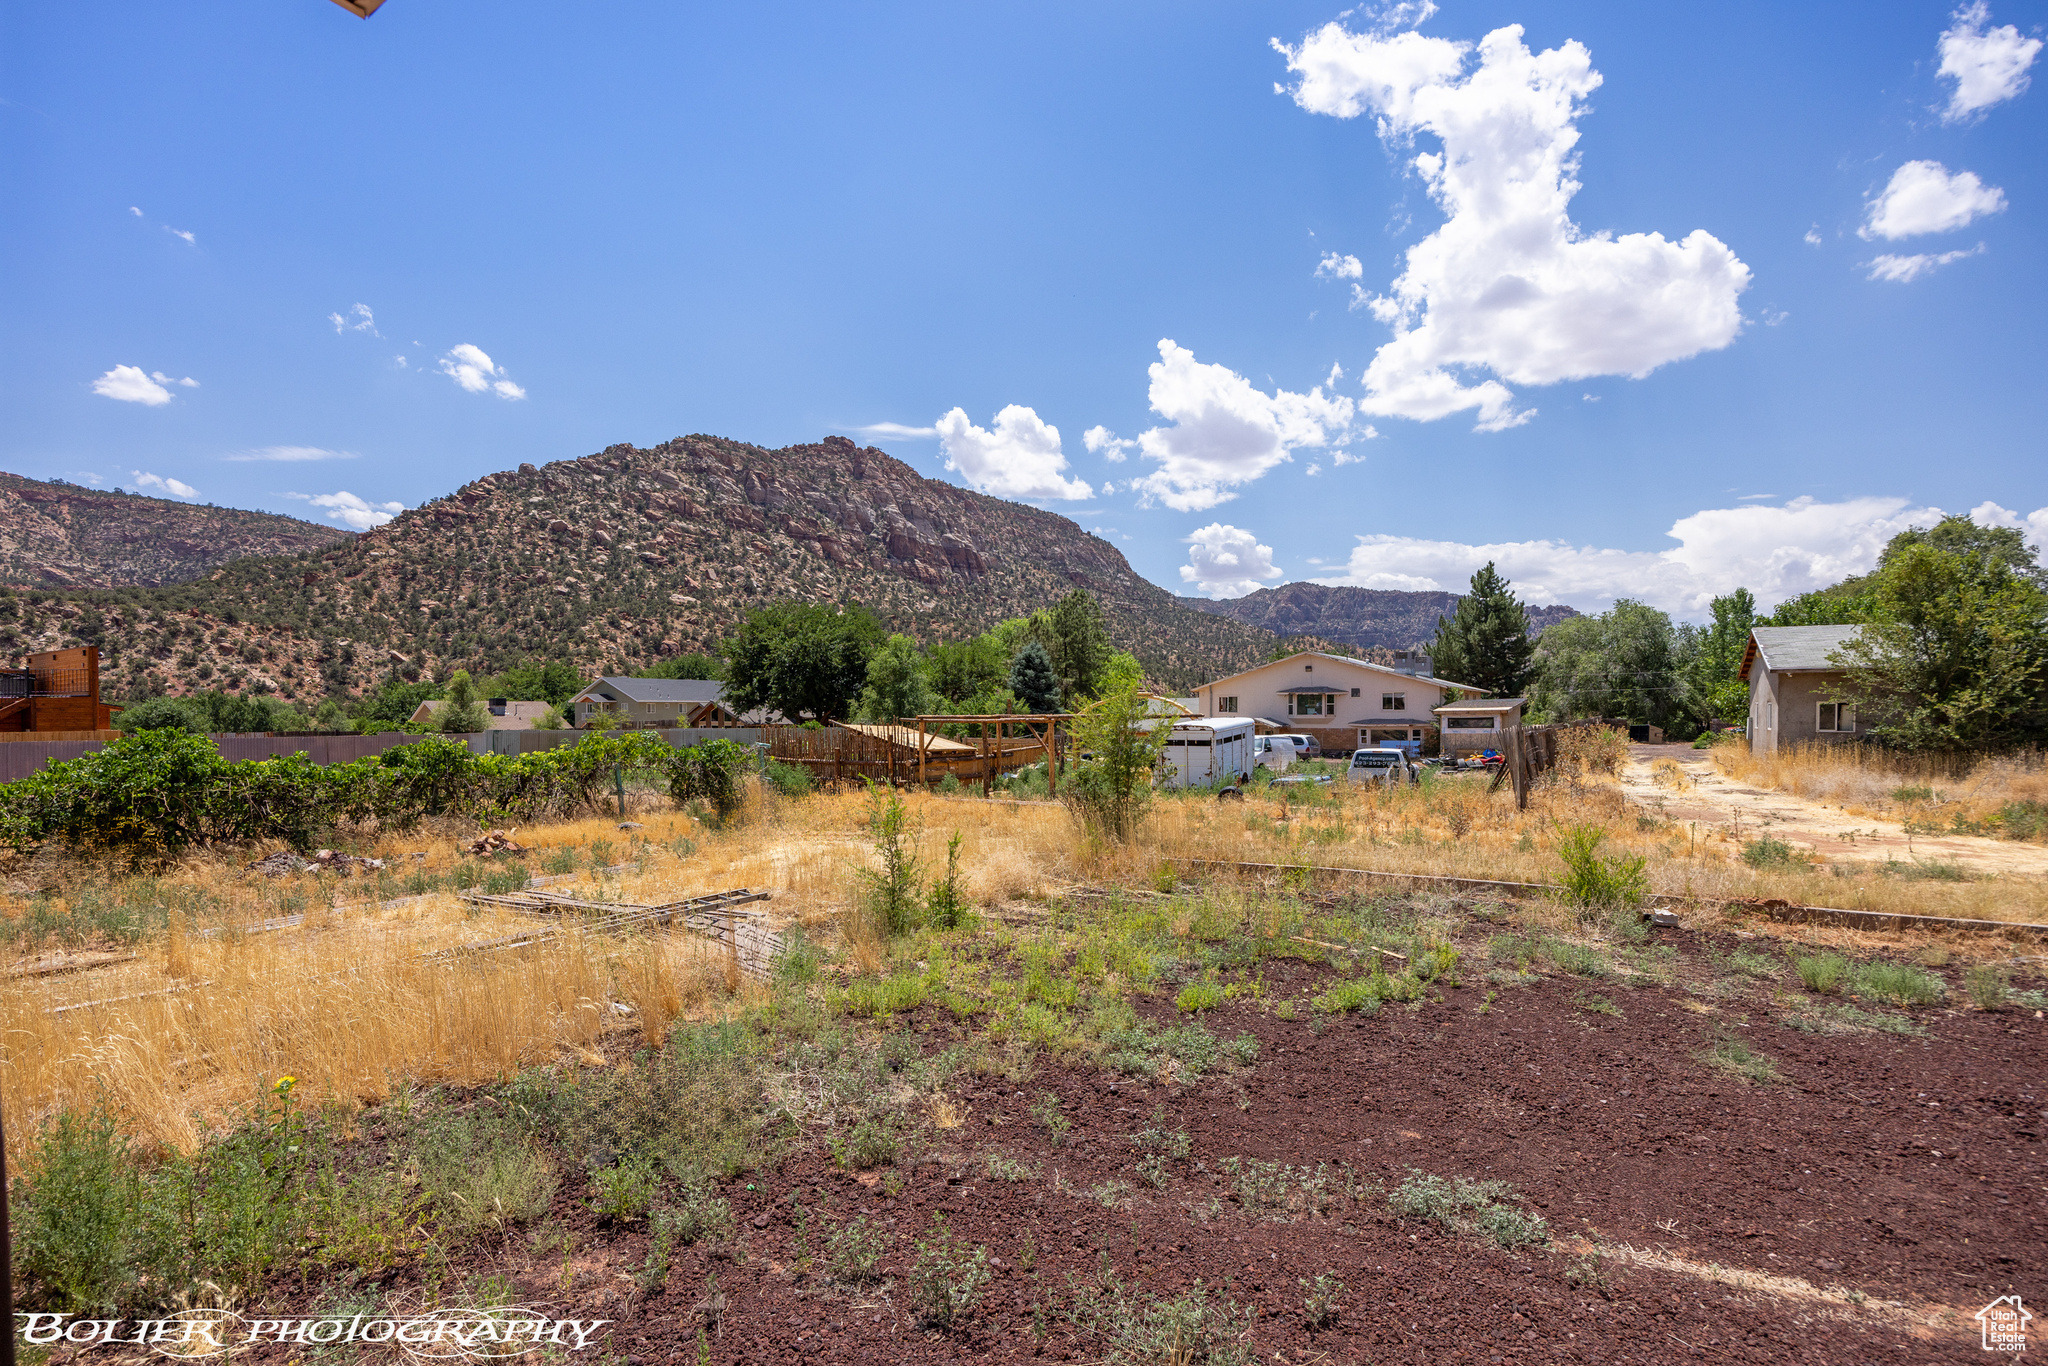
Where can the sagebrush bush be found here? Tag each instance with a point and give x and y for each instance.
(947, 1278)
(76, 1222)
(1598, 884)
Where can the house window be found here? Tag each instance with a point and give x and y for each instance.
(1354, 692)
(1308, 704)
(1837, 716)
(1468, 723)
(1770, 716)
(1226, 704)
(1393, 701)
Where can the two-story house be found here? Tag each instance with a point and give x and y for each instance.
(1344, 703)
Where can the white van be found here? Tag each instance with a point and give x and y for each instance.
(1207, 752)
(1274, 752)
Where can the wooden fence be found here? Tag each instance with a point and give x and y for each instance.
(836, 754)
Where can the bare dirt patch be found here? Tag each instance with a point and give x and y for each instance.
(1831, 832)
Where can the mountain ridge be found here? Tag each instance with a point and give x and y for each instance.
(59, 535)
(620, 558)
(1366, 618)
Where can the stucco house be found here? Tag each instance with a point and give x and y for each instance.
(1793, 689)
(1344, 703)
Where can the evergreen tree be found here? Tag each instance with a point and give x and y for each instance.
(1033, 680)
(1080, 644)
(1486, 641)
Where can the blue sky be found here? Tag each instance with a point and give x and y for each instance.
(1328, 307)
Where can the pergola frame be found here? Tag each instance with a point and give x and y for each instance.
(1048, 740)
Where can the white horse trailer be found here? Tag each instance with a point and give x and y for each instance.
(1208, 752)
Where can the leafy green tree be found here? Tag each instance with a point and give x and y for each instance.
(1111, 786)
(802, 659)
(162, 713)
(695, 664)
(463, 714)
(1486, 640)
(1620, 664)
(899, 683)
(1845, 604)
(1957, 658)
(965, 669)
(395, 702)
(1986, 547)
(1033, 680)
(554, 682)
(1714, 655)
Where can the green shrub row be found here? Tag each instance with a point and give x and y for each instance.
(157, 792)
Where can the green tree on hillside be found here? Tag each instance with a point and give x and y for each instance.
(554, 682)
(1486, 640)
(1033, 680)
(1985, 548)
(899, 683)
(1956, 659)
(807, 661)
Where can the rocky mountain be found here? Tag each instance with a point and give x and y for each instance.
(616, 560)
(58, 535)
(1362, 617)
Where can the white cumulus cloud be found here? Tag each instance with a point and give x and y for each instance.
(292, 454)
(1020, 458)
(1103, 442)
(1335, 267)
(186, 383)
(474, 371)
(356, 513)
(1225, 432)
(2035, 523)
(1900, 269)
(1227, 562)
(175, 487)
(1776, 552)
(1922, 197)
(1989, 65)
(357, 319)
(130, 384)
(1509, 284)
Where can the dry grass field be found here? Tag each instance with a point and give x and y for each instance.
(178, 997)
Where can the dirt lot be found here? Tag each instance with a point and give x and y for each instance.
(1860, 1209)
(1833, 834)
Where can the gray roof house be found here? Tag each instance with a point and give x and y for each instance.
(1794, 690)
(662, 703)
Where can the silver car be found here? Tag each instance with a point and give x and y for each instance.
(1381, 766)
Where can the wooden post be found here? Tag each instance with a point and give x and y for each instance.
(988, 781)
(922, 781)
(891, 742)
(732, 950)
